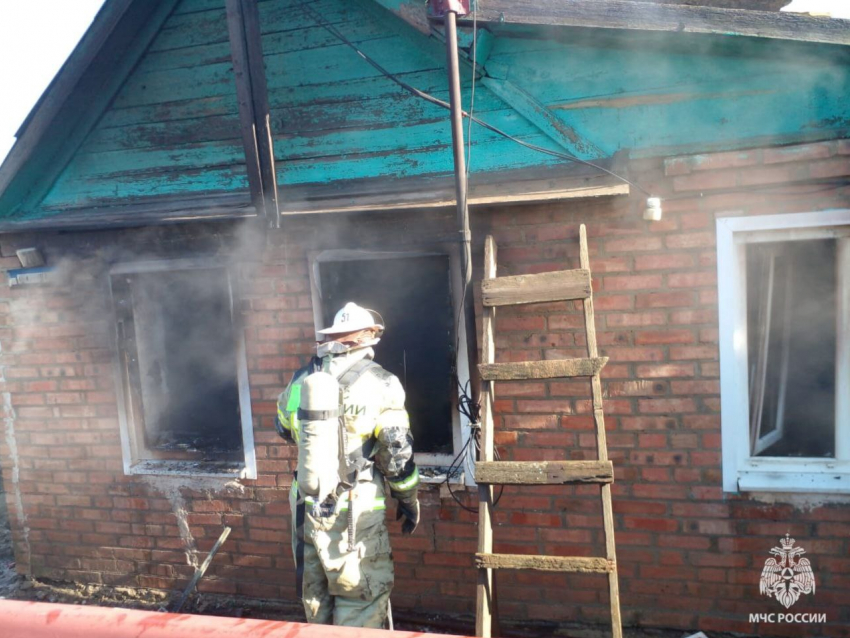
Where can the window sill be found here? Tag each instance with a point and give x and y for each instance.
(212, 469)
(837, 482)
(434, 475)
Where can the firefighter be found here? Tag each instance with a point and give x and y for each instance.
(347, 416)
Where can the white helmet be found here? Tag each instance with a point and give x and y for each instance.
(351, 318)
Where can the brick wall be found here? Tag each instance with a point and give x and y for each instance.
(688, 555)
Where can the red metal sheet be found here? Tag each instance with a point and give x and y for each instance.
(19, 619)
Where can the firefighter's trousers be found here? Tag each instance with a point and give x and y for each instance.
(339, 586)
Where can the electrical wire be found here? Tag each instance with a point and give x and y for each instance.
(442, 103)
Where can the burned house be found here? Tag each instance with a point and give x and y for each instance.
(206, 181)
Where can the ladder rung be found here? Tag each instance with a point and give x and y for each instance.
(545, 563)
(542, 369)
(559, 285)
(543, 472)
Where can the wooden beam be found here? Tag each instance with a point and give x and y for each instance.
(245, 99)
(576, 564)
(167, 210)
(262, 112)
(547, 122)
(246, 48)
(543, 472)
(485, 600)
(560, 285)
(554, 369)
(645, 16)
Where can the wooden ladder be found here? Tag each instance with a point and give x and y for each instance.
(527, 289)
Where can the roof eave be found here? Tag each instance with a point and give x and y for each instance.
(645, 16)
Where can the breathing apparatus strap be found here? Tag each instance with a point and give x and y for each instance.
(353, 463)
(300, 513)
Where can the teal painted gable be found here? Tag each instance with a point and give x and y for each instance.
(173, 128)
(649, 92)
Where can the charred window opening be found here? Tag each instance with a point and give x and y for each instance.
(179, 366)
(791, 343)
(413, 295)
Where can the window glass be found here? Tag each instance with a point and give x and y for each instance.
(791, 347)
(178, 354)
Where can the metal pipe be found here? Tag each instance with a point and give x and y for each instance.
(462, 207)
(199, 573)
(20, 619)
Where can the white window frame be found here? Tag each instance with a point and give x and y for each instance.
(130, 447)
(461, 431)
(741, 471)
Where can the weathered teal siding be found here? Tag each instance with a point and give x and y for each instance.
(173, 129)
(649, 92)
(336, 117)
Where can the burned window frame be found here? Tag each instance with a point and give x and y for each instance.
(432, 466)
(133, 447)
(742, 470)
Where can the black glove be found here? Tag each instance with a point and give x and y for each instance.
(408, 507)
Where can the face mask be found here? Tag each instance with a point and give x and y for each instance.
(335, 347)
(331, 348)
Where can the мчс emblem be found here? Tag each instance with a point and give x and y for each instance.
(789, 576)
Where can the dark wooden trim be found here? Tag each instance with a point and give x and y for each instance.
(262, 111)
(76, 99)
(645, 16)
(166, 210)
(245, 99)
(252, 95)
(503, 187)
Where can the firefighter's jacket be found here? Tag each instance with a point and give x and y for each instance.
(377, 428)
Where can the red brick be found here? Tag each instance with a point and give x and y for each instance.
(635, 319)
(662, 370)
(690, 240)
(634, 282)
(838, 167)
(664, 299)
(632, 244)
(651, 524)
(692, 279)
(729, 159)
(776, 174)
(706, 181)
(693, 352)
(634, 354)
(694, 316)
(666, 406)
(711, 386)
(663, 336)
(520, 323)
(666, 261)
(797, 153)
(531, 422)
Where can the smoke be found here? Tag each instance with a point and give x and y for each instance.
(171, 488)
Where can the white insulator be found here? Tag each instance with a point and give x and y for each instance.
(652, 212)
(318, 452)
